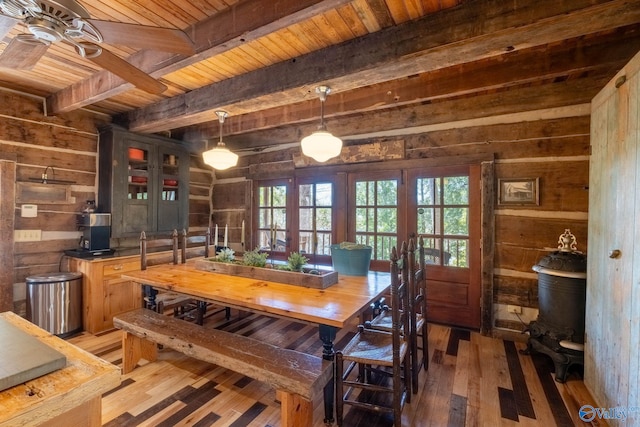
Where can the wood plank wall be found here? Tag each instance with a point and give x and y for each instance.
(69, 143)
(552, 145)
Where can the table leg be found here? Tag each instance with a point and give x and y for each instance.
(327, 335)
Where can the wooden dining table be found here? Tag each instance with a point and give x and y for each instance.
(332, 308)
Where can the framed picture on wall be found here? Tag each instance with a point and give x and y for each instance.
(519, 191)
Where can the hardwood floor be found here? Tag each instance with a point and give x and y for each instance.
(472, 381)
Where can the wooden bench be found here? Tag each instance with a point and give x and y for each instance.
(298, 378)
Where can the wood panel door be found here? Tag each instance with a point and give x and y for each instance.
(612, 339)
(444, 208)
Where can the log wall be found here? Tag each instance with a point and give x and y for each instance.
(68, 143)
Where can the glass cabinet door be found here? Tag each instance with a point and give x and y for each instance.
(138, 173)
(169, 167)
(172, 194)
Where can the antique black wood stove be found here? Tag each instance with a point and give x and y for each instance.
(559, 329)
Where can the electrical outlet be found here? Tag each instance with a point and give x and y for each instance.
(27, 235)
(515, 309)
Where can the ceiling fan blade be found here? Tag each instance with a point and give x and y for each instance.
(23, 52)
(6, 24)
(146, 37)
(125, 70)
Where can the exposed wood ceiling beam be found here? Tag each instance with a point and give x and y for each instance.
(410, 119)
(455, 36)
(241, 23)
(515, 68)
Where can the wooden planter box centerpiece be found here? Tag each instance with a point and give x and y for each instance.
(319, 279)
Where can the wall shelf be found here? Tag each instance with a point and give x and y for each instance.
(39, 193)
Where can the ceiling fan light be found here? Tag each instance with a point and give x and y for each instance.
(321, 146)
(220, 157)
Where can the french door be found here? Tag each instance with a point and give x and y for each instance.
(444, 209)
(441, 205)
(296, 216)
(381, 209)
(376, 213)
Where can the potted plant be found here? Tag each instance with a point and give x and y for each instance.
(255, 258)
(351, 259)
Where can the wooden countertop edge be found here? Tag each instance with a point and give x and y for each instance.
(18, 406)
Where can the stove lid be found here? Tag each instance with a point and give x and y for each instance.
(567, 261)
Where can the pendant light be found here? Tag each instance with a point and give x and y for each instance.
(321, 145)
(220, 157)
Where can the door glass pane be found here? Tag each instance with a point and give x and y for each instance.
(456, 190)
(456, 251)
(387, 193)
(426, 221)
(361, 220)
(272, 218)
(315, 222)
(306, 219)
(426, 191)
(324, 194)
(456, 221)
(443, 219)
(387, 220)
(376, 216)
(305, 195)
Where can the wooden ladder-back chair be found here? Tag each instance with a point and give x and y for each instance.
(413, 272)
(419, 328)
(183, 306)
(381, 358)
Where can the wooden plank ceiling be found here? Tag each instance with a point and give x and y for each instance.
(388, 62)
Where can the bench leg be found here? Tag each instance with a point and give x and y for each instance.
(295, 411)
(134, 349)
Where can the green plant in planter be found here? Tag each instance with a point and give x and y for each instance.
(226, 255)
(296, 261)
(255, 258)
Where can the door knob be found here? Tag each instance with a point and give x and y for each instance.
(615, 253)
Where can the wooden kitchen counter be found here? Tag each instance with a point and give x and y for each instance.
(70, 396)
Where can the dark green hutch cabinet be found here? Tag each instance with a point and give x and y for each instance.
(144, 183)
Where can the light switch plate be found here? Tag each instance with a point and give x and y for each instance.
(27, 235)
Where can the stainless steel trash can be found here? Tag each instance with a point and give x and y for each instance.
(54, 302)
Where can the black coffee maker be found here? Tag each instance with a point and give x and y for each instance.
(96, 233)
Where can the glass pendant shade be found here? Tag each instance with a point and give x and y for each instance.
(220, 157)
(321, 146)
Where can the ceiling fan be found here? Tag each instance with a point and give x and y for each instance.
(52, 21)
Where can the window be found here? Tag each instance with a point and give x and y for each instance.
(376, 215)
(272, 218)
(315, 218)
(377, 210)
(443, 219)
